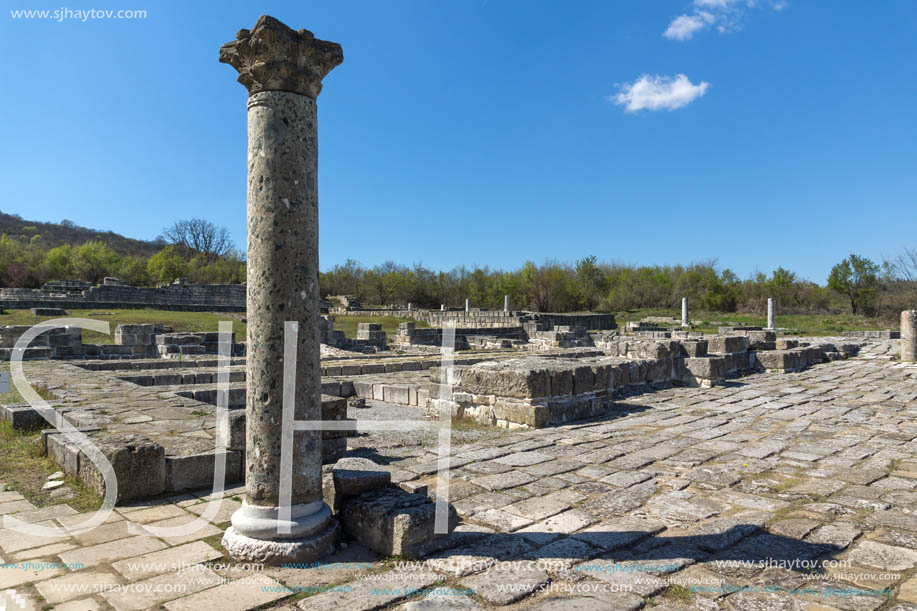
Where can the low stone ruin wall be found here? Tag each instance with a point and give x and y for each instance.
(561, 336)
(117, 295)
(177, 345)
(131, 341)
(475, 318)
(537, 391)
(409, 335)
(370, 337)
(59, 343)
(145, 469)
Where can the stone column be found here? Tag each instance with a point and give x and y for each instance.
(467, 305)
(684, 312)
(282, 70)
(442, 307)
(909, 336)
(771, 314)
(506, 303)
(410, 307)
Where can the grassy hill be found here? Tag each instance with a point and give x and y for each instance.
(57, 234)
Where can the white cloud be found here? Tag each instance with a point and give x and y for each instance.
(658, 93)
(724, 15)
(721, 4)
(684, 26)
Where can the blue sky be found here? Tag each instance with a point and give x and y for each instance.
(493, 132)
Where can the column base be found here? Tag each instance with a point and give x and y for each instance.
(253, 537)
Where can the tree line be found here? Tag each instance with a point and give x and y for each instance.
(202, 252)
(856, 285)
(199, 251)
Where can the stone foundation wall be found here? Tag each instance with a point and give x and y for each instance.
(475, 318)
(117, 295)
(409, 335)
(540, 391)
(131, 341)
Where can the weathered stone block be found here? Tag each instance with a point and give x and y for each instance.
(236, 433)
(65, 454)
(48, 311)
(780, 360)
(659, 370)
(518, 378)
(583, 380)
(561, 379)
(727, 343)
(396, 394)
(694, 347)
(196, 471)
(354, 476)
(334, 408)
(333, 450)
(572, 409)
(535, 416)
(393, 522)
(138, 463)
(705, 368)
(758, 340)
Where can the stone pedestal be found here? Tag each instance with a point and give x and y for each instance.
(282, 70)
(771, 314)
(684, 312)
(909, 336)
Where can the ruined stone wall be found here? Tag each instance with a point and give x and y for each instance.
(116, 295)
(495, 318)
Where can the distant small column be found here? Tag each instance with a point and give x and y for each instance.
(909, 336)
(684, 312)
(410, 308)
(771, 314)
(506, 303)
(467, 305)
(442, 307)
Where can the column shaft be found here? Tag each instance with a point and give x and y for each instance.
(909, 336)
(282, 286)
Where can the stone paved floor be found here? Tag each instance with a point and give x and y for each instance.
(735, 486)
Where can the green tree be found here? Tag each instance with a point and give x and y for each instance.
(167, 265)
(857, 278)
(59, 262)
(590, 282)
(94, 260)
(134, 271)
(784, 286)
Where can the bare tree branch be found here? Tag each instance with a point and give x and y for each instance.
(200, 236)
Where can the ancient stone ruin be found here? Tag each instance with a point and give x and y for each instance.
(589, 454)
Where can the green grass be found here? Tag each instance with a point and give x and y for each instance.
(348, 323)
(802, 324)
(181, 322)
(13, 397)
(25, 470)
(678, 594)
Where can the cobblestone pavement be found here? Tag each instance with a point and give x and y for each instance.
(682, 498)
